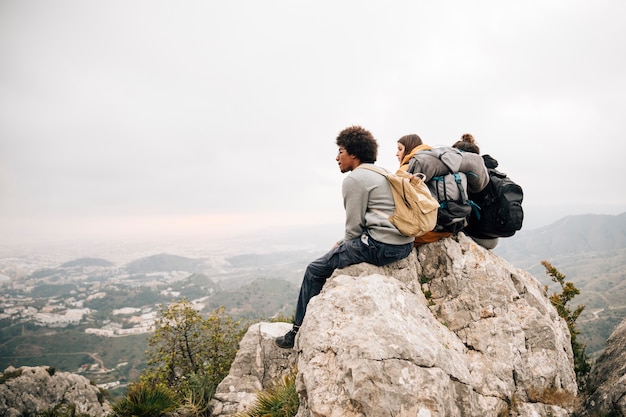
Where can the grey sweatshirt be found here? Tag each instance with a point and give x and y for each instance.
(364, 190)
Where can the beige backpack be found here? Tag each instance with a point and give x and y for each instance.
(416, 208)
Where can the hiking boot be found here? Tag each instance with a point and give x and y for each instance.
(286, 341)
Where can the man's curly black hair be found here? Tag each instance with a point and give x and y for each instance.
(359, 142)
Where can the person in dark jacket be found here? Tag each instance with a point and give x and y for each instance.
(467, 143)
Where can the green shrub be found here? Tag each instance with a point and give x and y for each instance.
(184, 343)
(199, 390)
(279, 400)
(145, 399)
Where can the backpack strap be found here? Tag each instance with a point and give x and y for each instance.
(459, 184)
(475, 207)
(381, 171)
(385, 173)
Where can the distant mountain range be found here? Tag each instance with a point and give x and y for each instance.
(569, 236)
(86, 262)
(164, 263)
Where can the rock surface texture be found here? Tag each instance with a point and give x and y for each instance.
(259, 362)
(452, 330)
(608, 379)
(30, 390)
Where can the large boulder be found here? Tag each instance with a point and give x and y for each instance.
(31, 390)
(452, 330)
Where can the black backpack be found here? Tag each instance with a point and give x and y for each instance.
(499, 212)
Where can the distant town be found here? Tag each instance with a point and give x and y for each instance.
(88, 283)
(43, 303)
(94, 297)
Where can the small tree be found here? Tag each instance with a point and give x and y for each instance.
(560, 301)
(220, 344)
(184, 344)
(188, 356)
(175, 344)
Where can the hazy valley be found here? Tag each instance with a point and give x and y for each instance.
(93, 314)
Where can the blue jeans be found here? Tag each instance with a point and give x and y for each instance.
(350, 252)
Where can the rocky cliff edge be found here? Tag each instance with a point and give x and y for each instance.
(452, 330)
(607, 380)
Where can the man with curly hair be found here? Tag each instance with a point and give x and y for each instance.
(369, 237)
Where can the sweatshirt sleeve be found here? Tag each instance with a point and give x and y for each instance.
(355, 197)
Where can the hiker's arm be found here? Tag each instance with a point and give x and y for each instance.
(355, 199)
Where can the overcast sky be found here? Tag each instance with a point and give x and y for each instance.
(129, 117)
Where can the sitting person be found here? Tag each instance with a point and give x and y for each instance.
(451, 175)
(368, 237)
(408, 146)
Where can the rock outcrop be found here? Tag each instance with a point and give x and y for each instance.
(452, 330)
(607, 379)
(31, 390)
(258, 363)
